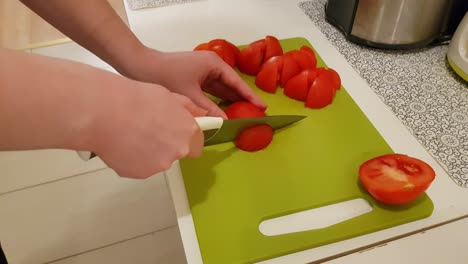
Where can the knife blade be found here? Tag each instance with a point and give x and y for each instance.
(217, 131)
(231, 128)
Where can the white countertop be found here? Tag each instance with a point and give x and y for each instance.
(181, 27)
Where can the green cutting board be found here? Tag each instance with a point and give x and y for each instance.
(310, 164)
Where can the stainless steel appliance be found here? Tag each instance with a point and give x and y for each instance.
(396, 23)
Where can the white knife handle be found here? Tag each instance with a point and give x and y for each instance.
(205, 123)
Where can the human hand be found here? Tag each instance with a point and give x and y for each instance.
(191, 74)
(145, 129)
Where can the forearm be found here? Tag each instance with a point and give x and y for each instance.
(93, 24)
(48, 103)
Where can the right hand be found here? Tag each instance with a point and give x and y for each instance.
(145, 129)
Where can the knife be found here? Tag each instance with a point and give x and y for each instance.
(216, 130)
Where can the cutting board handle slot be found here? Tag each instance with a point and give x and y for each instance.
(316, 218)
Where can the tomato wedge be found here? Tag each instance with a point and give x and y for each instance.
(290, 69)
(251, 58)
(298, 86)
(396, 178)
(321, 92)
(268, 77)
(223, 48)
(272, 47)
(332, 74)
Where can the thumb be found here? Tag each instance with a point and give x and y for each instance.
(194, 109)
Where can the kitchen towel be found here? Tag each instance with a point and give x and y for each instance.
(419, 87)
(139, 4)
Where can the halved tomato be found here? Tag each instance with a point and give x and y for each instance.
(225, 50)
(254, 138)
(396, 178)
(242, 109)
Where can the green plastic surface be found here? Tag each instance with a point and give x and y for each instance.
(310, 164)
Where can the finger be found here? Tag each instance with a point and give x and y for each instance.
(235, 82)
(196, 144)
(206, 103)
(221, 91)
(194, 109)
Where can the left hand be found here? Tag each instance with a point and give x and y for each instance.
(191, 73)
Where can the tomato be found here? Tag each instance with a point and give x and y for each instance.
(298, 86)
(223, 48)
(290, 69)
(250, 58)
(321, 92)
(296, 61)
(254, 138)
(268, 77)
(332, 74)
(242, 109)
(272, 47)
(396, 178)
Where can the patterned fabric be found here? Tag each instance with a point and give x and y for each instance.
(418, 86)
(139, 4)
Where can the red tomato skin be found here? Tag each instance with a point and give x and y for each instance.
(243, 109)
(202, 46)
(250, 58)
(332, 74)
(225, 53)
(254, 138)
(303, 59)
(290, 69)
(268, 77)
(223, 48)
(320, 93)
(421, 175)
(310, 54)
(298, 86)
(272, 47)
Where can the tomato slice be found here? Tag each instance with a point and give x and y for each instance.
(396, 178)
(242, 109)
(298, 86)
(303, 59)
(272, 47)
(268, 77)
(332, 74)
(225, 53)
(250, 58)
(290, 69)
(321, 93)
(254, 138)
(225, 50)
(203, 46)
